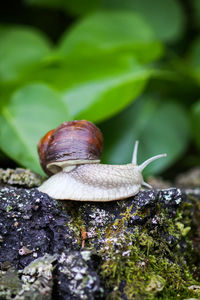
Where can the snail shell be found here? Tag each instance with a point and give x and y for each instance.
(72, 152)
(72, 143)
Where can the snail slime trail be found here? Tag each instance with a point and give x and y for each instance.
(70, 154)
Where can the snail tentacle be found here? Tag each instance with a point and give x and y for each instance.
(146, 184)
(135, 151)
(148, 161)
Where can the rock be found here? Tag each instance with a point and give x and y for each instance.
(139, 248)
(32, 220)
(76, 278)
(21, 177)
(72, 271)
(37, 279)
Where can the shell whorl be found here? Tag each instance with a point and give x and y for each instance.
(74, 142)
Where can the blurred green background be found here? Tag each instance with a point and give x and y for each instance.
(132, 67)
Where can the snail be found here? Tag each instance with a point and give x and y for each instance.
(71, 154)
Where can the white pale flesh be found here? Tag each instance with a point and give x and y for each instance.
(94, 182)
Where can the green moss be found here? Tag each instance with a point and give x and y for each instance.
(76, 223)
(145, 274)
(142, 262)
(184, 230)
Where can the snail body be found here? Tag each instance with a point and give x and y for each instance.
(83, 178)
(94, 182)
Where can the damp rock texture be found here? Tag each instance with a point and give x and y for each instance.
(31, 224)
(144, 247)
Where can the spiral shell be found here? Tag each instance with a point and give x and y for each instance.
(74, 142)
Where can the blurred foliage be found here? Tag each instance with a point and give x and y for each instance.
(21, 49)
(147, 120)
(130, 66)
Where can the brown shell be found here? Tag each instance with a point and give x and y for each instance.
(74, 140)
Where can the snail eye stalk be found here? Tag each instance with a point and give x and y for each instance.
(135, 151)
(148, 161)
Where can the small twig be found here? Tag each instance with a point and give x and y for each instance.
(84, 236)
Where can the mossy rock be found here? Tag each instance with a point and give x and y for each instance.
(144, 247)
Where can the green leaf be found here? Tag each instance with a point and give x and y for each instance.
(160, 125)
(21, 48)
(96, 89)
(31, 112)
(196, 122)
(111, 33)
(165, 17)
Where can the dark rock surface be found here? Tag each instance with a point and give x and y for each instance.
(139, 248)
(31, 220)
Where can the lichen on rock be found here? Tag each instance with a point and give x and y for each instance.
(10, 283)
(37, 279)
(21, 177)
(76, 278)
